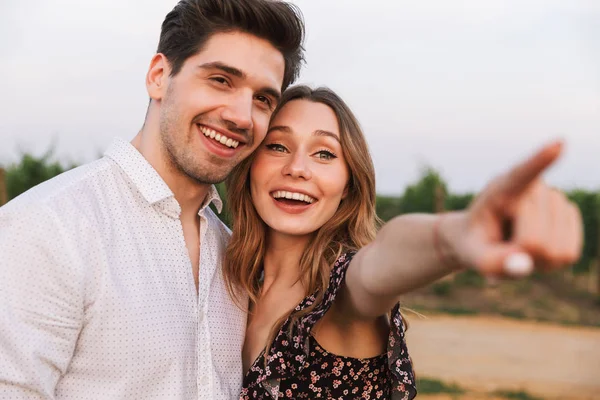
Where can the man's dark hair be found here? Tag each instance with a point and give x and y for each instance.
(191, 23)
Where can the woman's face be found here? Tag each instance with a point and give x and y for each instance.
(299, 174)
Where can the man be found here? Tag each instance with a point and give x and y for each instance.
(110, 280)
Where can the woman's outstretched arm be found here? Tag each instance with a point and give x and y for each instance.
(410, 251)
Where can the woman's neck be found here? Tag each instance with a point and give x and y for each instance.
(282, 259)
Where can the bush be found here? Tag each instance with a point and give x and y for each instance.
(442, 288)
(432, 386)
(31, 171)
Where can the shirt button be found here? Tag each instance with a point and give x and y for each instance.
(204, 380)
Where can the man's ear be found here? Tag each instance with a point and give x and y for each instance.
(157, 76)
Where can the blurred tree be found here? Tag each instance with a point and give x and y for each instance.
(456, 202)
(589, 204)
(428, 194)
(31, 171)
(423, 195)
(387, 207)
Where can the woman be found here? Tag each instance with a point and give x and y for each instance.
(324, 318)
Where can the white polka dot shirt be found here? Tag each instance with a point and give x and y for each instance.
(97, 296)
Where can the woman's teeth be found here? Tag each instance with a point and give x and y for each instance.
(210, 133)
(282, 194)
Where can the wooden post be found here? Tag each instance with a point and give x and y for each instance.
(594, 277)
(439, 204)
(598, 245)
(3, 194)
(440, 199)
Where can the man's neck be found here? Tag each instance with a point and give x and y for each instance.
(188, 192)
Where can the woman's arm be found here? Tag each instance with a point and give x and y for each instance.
(401, 259)
(413, 250)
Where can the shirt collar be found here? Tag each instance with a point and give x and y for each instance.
(212, 197)
(146, 179)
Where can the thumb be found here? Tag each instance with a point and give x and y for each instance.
(505, 260)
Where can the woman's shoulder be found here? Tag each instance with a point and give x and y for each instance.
(339, 268)
(336, 280)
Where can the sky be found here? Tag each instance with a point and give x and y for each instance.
(468, 87)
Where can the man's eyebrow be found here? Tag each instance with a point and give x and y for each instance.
(225, 68)
(238, 73)
(318, 132)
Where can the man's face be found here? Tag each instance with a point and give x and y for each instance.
(216, 110)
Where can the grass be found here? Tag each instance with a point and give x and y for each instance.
(536, 299)
(445, 310)
(515, 314)
(469, 278)
(456, 310)
(433, 386)
(541, 303)
(442, 288)
(514, 395)
(427, 386)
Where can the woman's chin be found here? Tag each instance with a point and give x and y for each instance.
(293, 231)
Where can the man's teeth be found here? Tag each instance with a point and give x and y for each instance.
(282, 194)
(219, 137)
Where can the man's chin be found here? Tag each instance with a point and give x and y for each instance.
(203, 178)
(207, 180)
(207, 172)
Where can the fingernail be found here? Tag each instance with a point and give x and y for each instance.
(518, 265)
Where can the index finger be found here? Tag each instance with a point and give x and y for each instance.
(522, 175)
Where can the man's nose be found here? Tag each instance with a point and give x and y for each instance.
(239, 111)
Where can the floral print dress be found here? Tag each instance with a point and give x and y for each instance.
(297, 367)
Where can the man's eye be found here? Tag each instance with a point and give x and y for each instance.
(276, 147)
(220, 79)
(265, 100)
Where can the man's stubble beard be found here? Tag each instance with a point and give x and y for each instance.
(177, 147)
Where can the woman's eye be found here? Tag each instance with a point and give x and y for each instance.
(325, 155)
(276, 147)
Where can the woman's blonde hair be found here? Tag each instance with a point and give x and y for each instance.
(353, 225)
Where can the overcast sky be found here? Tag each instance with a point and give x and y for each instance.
(467, 86)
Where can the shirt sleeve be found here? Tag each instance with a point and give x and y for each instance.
(41, 302)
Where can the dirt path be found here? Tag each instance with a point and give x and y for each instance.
(487, 353)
